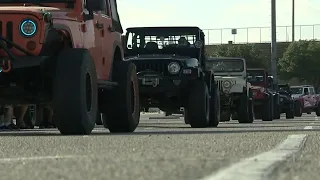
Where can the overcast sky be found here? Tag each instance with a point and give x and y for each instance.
(216, 14)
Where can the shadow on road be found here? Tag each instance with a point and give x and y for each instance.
(170, 132)
(219, 127)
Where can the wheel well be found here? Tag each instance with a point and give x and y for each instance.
(66, 38)
(117, 54)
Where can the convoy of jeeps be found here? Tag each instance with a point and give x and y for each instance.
(67, 57)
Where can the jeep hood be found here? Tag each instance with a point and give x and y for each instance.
(162, 57)
(156, 57)
(296, 96)
(56, 12)
(229, 77)
(256, 87)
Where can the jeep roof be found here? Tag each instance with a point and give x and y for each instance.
(160, 28)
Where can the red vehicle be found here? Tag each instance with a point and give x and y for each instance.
(263, 99)
(68, 55)
(305, 99)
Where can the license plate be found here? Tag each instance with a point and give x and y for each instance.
(150, 81)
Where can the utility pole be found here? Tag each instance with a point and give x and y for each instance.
(274, 42)
(293, 12)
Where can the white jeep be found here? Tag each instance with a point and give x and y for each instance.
(235, 93)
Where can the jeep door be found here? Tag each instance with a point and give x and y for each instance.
(92, 40)
(307, 97)
(312, 96)
(112, 34)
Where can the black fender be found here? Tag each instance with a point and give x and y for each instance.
(52, 43)
(117, 46)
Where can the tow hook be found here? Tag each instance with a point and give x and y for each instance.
(6, 66)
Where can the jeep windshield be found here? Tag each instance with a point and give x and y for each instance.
(284, 88)
(296, 90)
(225, 65)
(255, 79)
(162, 40)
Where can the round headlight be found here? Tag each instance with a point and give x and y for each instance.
(174, 68)
(28, 27)
(198, 44)
(227, 84)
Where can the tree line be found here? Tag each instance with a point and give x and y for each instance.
(301, 60)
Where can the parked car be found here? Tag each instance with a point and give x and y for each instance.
(305, 100)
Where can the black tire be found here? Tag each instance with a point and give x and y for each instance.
(214, 116)
(267, 109)
(318, 109)
(75, 92)
(244, 111)
(251, 108)
(297, 109)
(198, 115)
(276, 108)
(122, 104)
(225, 116)
(99, 120)
(290, 112)
(186, 120)
(308, 112)
(234, 116)
(30, 117)
(104, 120)
(39, 115)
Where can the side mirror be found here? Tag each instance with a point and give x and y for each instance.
(96, 5)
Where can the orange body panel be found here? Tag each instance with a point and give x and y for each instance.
(83, 34)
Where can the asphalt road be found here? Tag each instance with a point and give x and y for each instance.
(167, 149)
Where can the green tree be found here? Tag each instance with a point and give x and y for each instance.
(249, 52)
(301, 60)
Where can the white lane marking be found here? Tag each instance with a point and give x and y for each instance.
(261, 166)
(308, 127)
(7, 160)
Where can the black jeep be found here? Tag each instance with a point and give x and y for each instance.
(286, 101)
(170, 65)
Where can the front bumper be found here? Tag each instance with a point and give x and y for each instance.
(164, 84)
(21, 62)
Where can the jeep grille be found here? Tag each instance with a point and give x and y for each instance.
(219, 83)
(158, 66)
(8, 28)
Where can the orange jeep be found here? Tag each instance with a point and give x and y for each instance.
(68, 54)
